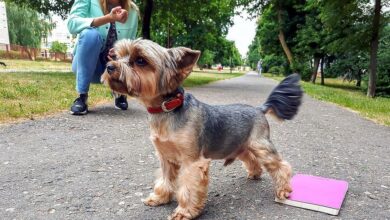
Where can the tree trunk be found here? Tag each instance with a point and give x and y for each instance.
(282, 38)
(147, 18)
(169, 41)
(322, 71)
(30, 57)
(359, 79)
(374, 49)
(317, 60)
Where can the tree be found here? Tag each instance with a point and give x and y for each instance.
(59, 7)
(57, 47)
(364, 24)
(344, 36)
(350, 66)
(311, 39)
(26, 27)
(236, 59)
(285, 18)
(253, 55)
(374, 49)
(147, 15)
(276, 32)
(206, 59)
(200, 25)
(170, 20)
(383, 80)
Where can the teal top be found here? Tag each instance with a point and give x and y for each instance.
(84, 11)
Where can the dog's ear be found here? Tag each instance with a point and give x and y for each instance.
(185, 59)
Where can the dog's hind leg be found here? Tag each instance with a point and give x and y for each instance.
(192, 192)
(279, 169)
(251, 164)
(165, 185)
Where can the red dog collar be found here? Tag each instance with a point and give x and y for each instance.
(168, 106)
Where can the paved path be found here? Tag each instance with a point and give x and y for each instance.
(101, 165)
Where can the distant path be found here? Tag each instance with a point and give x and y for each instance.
(101, 165)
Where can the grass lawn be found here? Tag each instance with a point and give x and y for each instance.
(349, 96)
(34, 66)
(29, 95)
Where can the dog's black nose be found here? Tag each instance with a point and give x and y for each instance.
(110, 68)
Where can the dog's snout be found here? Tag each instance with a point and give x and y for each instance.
(110, 68)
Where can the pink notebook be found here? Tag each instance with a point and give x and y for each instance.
(316, 193)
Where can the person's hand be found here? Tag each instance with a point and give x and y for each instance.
(124, 14)
(118, 14)
(111, 54)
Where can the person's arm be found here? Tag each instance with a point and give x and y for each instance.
(99, 21)
(117, 14)
(78, 18)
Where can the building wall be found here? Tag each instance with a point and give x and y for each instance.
(60, 34)
(4, 37)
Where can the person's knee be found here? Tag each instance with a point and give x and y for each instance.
(90, 35)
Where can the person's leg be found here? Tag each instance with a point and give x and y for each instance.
(84, 65)
(120, 100)
(86, 59)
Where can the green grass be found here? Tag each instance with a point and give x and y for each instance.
(349, 96)
(29, 95)
(201, 78)
(34, 66)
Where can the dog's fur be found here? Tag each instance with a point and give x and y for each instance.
(187, 138)
(3, 64)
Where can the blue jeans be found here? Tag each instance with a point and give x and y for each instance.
(86, 63)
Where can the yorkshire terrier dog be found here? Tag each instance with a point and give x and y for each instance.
(187, 134)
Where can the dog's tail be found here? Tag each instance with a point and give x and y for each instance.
(285, 99)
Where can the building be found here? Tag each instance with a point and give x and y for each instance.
(60, 34)
(4, 37)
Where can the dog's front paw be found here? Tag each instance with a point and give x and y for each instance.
(254, 176)
(184, 213)
(154, 200)
(283, 192)
(179, 216)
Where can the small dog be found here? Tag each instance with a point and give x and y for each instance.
(188, 134)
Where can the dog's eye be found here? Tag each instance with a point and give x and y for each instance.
(140, 61)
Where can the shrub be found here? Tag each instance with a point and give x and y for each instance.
(57, 47)
(10, 55)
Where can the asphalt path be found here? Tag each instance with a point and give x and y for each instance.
(99, 166)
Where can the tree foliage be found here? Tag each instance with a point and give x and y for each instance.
(198, 24)
(58, 47)
(60, 7)
(207, 59)
(340, 35)
(26, 27)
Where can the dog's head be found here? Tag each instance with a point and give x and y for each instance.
(146, 70)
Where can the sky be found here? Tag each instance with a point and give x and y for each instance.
(242, 32)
